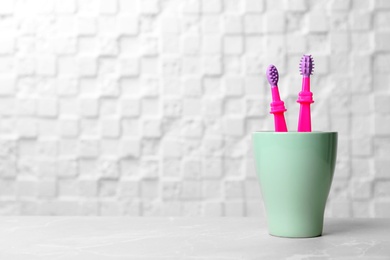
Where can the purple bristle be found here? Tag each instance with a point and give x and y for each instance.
(272, 75)
(306, 66)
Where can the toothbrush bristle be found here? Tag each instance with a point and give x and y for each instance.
(272, 75)
(306, 66)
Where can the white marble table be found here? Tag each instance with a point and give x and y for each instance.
(100, 238)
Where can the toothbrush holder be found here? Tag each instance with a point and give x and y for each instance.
(295, 171)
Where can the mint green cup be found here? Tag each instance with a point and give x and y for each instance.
(295, 171)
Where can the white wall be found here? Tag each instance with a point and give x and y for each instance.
(120, 107)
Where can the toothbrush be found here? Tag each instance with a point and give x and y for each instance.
(277, 105)
(305, 97)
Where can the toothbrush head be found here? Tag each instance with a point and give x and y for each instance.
(306, 65)
(272, 75)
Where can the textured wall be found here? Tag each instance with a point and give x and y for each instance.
(146, 107)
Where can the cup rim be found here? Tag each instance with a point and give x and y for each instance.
(295, 132)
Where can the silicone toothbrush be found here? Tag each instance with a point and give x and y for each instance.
(277, 105)
(305, 97)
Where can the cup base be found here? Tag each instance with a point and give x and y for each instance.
(296, 237)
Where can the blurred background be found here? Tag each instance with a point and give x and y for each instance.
(146, 108)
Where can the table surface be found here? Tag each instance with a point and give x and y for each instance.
(185, 238)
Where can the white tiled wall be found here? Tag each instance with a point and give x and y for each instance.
(125, 107)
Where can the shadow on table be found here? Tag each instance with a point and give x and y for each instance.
(355, 226)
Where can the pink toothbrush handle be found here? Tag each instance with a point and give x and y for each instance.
(305, 98)
(278, 109)
(304, 124)
(280, 122)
